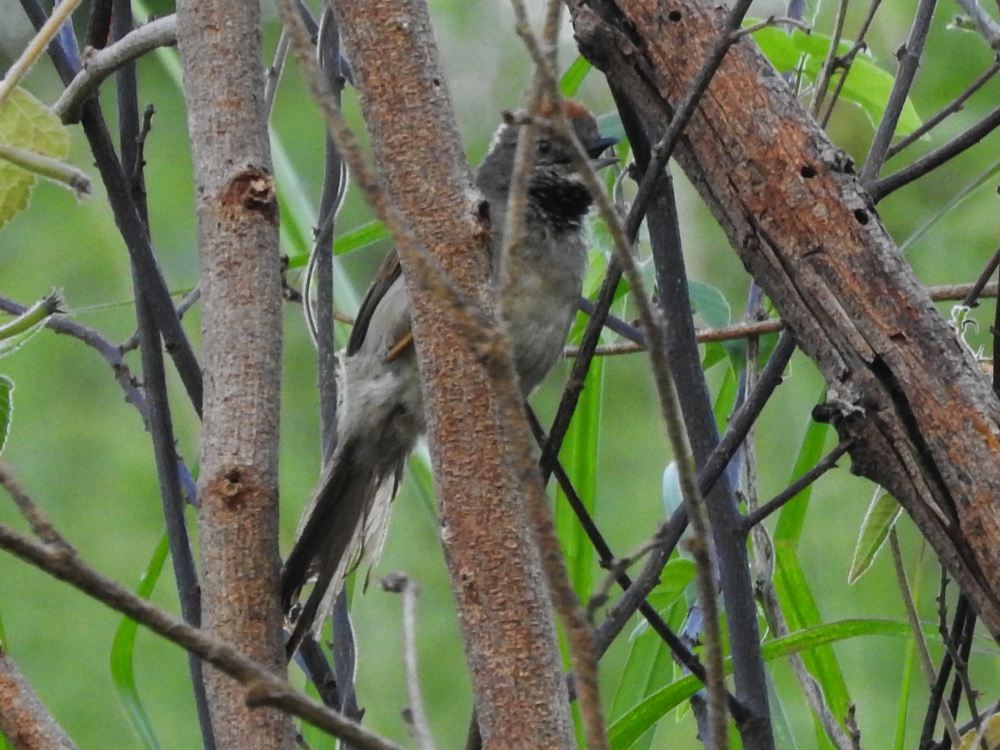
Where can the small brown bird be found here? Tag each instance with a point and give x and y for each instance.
(382, 414)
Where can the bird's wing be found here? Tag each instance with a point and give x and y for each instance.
(387, 275)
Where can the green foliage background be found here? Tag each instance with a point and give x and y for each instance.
(83, 454)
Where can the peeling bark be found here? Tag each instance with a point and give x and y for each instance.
(902, 386)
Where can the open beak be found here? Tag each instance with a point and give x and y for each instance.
(598, 147)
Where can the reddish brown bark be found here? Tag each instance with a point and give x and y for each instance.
(24, 721)
(503, 606)
(901, 385)
(240, 280)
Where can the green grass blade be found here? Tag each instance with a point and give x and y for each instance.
(792, 516)
(355, 239)
(570, 82)
(792, 589)
(579, 458)
(909, 664)
(123, 648)
(802, 613)
(624, 732)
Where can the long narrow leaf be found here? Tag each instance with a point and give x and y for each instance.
(879, 519)
(792, 589)
(792, 516)
(624, 732)
(123, 649)
(574, 76)
(579, 457)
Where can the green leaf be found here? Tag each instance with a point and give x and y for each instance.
(866, 85)
(27, 124)
(709, 303)
(570, 82)
(794, 594)
(123, 648)
(610, 126)
(792, 515)
(579, 457)
(348, 242)
(802, 612)
(674, 580)
(6, 412)
(879, 519)
(624, 732)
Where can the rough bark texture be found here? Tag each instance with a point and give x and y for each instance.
(241, 328)
(502, 601)
(24, 721)
(901, 385)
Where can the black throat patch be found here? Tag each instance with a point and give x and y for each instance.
(563, 200)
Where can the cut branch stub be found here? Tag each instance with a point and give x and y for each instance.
(902, 387)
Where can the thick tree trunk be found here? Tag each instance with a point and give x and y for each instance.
(922, 417)
(501, 596)
(241, 326)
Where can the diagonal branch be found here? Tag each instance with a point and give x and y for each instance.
(923, 422)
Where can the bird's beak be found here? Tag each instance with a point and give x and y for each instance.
(598, 147)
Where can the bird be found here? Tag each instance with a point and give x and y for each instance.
(381, 410)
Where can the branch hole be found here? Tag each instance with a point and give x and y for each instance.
(675, 15)
(861, 215)
(807, 172)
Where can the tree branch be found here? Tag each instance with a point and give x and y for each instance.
(240, 280)
(929, 434)
(258, 683)
(97, 67)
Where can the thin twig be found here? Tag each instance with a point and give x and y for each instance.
(274, 72)
(829, 461)
(263, 686)
(955, 105)
(940, 293)
(844, 63)
(988, 27)
(909, 59)
(682, 654)
(128, 220)
(831, 59)
(36, 47)
(770, 21)
(941, 680)
(39, 522)
(188, 301)
(92, 338)
(879, 189)
(132, 139)
(953, 656)
(98, 66)
(971, 299)
(48, 167)
(400, 583)
(923, 654)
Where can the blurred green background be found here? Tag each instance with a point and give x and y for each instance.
(81, 451)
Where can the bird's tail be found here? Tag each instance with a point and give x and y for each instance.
(345, 524)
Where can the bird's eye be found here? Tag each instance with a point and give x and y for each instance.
(544, 146)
